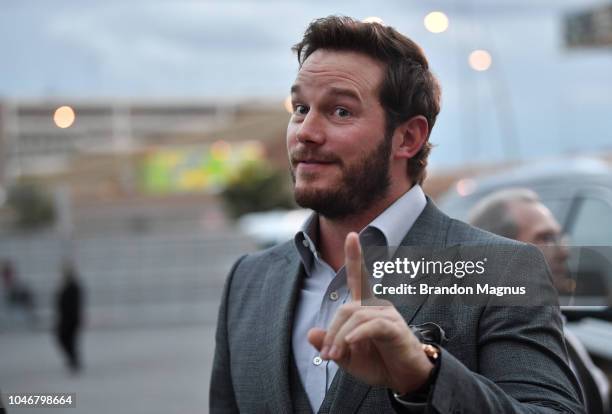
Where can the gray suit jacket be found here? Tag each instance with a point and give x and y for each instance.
(498, 359)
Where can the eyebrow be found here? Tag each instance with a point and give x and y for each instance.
(333, 91)
(348, 93)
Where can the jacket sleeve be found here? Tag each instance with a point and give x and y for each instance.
(221, 397)
(522, 359)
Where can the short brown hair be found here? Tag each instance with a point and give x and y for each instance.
(408, 88)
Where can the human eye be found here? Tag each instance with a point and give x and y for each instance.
(342, 112)
(547, 238)
(300, 109)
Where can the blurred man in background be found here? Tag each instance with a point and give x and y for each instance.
(518, 213)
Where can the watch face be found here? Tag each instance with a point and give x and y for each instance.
(431, 351)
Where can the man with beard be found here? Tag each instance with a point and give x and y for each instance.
(292, 334)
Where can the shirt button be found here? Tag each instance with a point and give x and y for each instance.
(333, 295)
(305, 243)
(317, 360)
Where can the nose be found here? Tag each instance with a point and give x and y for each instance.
(562, 246)
(311, 129)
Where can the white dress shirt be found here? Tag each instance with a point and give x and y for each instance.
(324, 291)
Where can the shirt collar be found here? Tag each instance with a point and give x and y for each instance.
(399, 217)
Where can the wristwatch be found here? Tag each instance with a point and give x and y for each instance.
(420, 395)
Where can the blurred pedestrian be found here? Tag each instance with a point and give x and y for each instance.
(18, 294)
(8, 279)
(69, 316)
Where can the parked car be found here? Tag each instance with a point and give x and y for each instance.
(273, 227)
(579, 193)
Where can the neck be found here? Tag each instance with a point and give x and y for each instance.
(333, 232)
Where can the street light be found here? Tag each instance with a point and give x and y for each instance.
(480, 60)
(64, 117)
(436, 22)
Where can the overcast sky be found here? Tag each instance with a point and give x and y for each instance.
(537, 99)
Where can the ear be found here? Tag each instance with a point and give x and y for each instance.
(409, 137)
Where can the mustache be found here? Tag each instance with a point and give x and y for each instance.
(309, 155)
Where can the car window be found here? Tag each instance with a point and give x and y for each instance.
(590, 252)
(592, 225)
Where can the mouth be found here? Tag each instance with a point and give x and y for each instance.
(311, 165)
(312, 162)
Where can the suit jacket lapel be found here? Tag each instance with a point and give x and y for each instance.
(281, 291)
(430, 230)
(346, 393)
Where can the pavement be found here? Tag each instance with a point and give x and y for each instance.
(145, 370)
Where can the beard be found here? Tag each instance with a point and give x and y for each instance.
(361, 184)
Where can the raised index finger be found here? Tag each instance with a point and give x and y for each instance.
(353, 264)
